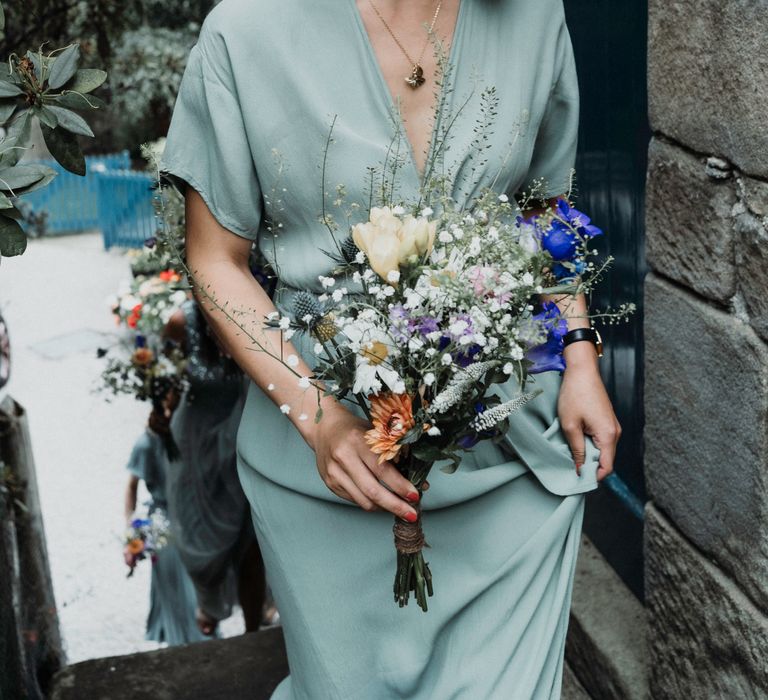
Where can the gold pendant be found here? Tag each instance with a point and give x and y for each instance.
(416, 78)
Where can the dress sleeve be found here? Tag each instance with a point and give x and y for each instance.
(207, 144)
(554, 151)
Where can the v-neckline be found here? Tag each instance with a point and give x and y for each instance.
(386, 95)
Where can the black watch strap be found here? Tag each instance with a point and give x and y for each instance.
(590, 334)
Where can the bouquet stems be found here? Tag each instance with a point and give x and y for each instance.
(413, 574)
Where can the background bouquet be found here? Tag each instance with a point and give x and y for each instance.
(145, 537)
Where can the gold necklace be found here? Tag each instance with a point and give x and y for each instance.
(416, 78)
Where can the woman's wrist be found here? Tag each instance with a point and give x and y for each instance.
(310, 428)
(581, 355)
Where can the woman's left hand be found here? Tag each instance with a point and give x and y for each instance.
(584, 408)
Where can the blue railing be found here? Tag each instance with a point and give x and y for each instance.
(71, 201)
(126, 216)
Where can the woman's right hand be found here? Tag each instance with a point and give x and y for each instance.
(351, 470)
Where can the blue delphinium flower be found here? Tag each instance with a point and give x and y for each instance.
(559, 240)
(578, 220)
(548, 356)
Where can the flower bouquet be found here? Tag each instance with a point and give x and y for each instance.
(425, 314)
(150, 302)
(149, 375)
(145, 537)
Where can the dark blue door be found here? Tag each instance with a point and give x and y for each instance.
(609, 39)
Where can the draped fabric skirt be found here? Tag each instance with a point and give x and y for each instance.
(503, 567)
(172, 604)
(504, 534)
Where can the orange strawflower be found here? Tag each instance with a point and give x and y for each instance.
(142, 356)
(135, 546)
(392, 417)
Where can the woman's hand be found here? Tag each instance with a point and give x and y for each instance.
(349, 468)
(584, 408)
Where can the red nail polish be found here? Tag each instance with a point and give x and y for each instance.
(412, 496)
(411, 517)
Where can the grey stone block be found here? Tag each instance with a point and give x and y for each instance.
(752, 256)
(606, 645)
(248, 667)
(709, 640)
(572, 689)
(706, 434)
(706, 75)
(689, 222)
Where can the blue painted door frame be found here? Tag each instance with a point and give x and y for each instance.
(610, 44)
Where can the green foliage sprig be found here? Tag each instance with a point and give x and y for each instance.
(48, 87)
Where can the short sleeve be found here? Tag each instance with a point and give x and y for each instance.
(207, 144)
(140, 456)
(554, 151)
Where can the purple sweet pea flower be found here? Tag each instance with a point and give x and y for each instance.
(427, 324)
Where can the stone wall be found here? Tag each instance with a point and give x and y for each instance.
(706, 389)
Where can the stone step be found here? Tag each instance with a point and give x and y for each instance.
(248, 667)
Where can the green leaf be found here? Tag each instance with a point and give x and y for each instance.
(65, 149)
(64, 66)
(71, 121)
(73, 100)
(9, 89)
(13, 240)
(16, 139)
(87, 79)
(2, 18)
(36, 59)
(427, 453)
(6, 110)
(42, 182)
(17, 177)
(5, 202)
(47, 117)
(412, 435)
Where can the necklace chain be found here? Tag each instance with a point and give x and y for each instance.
(416, 77)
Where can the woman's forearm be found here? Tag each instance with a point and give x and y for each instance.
(129, 503)
(236, 305)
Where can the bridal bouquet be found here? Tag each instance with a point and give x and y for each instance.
(424, 315)
(145, 537)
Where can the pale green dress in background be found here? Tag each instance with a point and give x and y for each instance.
(269, 76)
(171, 617)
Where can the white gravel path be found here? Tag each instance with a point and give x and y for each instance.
(54, 300)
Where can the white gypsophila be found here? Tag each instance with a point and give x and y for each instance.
(304, 383)
(292, 360)
(128, 302)
(429, 378)
(458, 385)
(285, 408)
(528, 237)
(178, 297)
(490, 418)
(516, 352)
(318, 348)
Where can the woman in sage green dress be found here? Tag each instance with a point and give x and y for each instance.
(207, 508)
(171, 618)
(251, 120)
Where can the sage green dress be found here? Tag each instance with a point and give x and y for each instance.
(261, 88)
